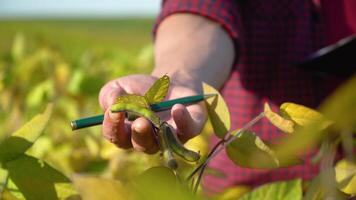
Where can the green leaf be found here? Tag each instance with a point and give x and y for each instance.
(158, 90)
(22, 139)
(286, 190)
(285, 125)
(137, 110)
(93, 188)
(160, 183)
(38, 180)
(134, 99)
(346, 176)
(218, 112)
(248, 150)
(302, 115)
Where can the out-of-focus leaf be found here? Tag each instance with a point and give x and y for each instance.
(75, 82)
(218, 112)
(133, 98)
(94, 188)
(302, 115)
(18, 47)
(6, 195)
(160, 183)
(233, 193)
(285, 125)
(138, 110)
(321, 188)
(37, 180)
(248, 150)
(286, 190)
(340, 107)
(22, 139)
(38, 94)
(90, 85)
(158, 90)
(345, 172)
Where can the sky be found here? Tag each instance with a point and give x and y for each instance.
(78, 8)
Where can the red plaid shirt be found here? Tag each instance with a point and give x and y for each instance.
(270, 36)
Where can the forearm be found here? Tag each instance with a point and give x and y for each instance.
(192, 49)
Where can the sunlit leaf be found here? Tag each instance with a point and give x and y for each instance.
(218, 112)
(302, 115)
(22, 139)
(248, 150)
(233, 193)
(137, 110)
(286, 190)
(158, 91)
(340, 107)
(285, 125)
(133, 99)
(160, 183)
(94, 188)
(346, 176)
(37, 180)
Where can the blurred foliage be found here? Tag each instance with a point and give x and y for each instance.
(66, 63)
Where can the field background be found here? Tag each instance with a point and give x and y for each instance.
(66, 62)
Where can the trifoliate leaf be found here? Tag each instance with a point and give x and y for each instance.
(133, 99)
(158, 91)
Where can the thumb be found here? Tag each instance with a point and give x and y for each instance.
(189, 122)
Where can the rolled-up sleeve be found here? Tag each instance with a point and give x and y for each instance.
(224, 12)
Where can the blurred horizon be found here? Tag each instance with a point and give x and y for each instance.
(78, 9)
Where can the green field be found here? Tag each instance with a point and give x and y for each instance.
(66, 62)
(73, 37)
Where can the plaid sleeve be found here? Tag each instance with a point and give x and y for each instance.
(224, 12)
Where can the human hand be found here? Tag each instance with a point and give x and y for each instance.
(187, 121)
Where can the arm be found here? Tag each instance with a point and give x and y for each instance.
(191, 49)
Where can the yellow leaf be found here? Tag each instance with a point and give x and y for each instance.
(345, 172)
(158, 90)
(218, 112)
(302, 115)
(134, 99)
(22, 139)
(340, 107)
(233, 193)
(94, 188)
(285, 125)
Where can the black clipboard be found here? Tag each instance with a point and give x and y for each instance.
(338, 59)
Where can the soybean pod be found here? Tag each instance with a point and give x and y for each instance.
(166, 150)
(137, 110)
(177, 147)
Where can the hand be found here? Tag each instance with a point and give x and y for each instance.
(187, 121)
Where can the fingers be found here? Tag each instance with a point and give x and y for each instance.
(188, 122)
(142, 136)
(115, 130)
(109, 93)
